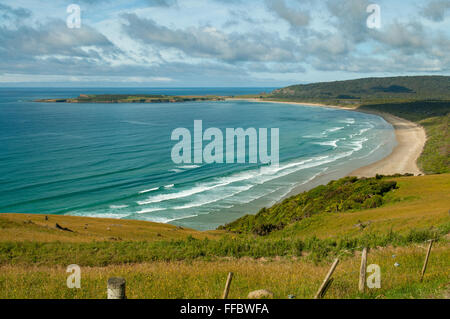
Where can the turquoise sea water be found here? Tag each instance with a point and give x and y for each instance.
(113, 160)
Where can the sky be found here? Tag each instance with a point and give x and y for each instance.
(213, 43)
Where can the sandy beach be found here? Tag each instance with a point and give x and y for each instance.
(410, 136)
(411, 139)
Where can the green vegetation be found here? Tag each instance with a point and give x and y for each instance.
(361, 91)
(346, 194)
(435, 157)
(129, 252)
(125, 98)
(414, 111)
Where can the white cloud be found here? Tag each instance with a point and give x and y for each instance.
(213, 42)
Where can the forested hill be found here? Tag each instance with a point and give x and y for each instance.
(370, 89)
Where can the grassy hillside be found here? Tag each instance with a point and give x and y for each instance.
(42, 228)
(182, 263)
(369, 89)
(421, 202)
(346, 194)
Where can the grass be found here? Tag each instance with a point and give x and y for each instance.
(419, 203)
(435, 157)
(35, 227)
(127, 252)
(343, 195)
(206, 279)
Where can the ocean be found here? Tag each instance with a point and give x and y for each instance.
(114, 160)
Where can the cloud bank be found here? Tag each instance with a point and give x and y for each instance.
(187, 42)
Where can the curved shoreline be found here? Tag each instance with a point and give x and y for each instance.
(410, 137)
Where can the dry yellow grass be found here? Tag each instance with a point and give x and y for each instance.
(203, 279)
(419, 202)
(34, 227)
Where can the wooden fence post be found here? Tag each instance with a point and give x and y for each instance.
(325, 284)
(325, 289)
(116, 288)
(362, 271)
(424, 268)
(227, 286)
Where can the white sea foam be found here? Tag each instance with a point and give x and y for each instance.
(358, 144)
(176, 170)
(329, 143)
(372, 151)
(148, 190)
(140, 123)
(333, 129)
(166, 220)
(362, 131)
(197, 189)
(223, 206)
(150, 210)
(188, 166)
(316, 162)
(101, 214)
(169, 186)
(313, 136)
(181, 194)
(217, 198)
(348, 121)
(263, 175)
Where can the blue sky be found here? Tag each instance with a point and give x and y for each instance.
(179, 43)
